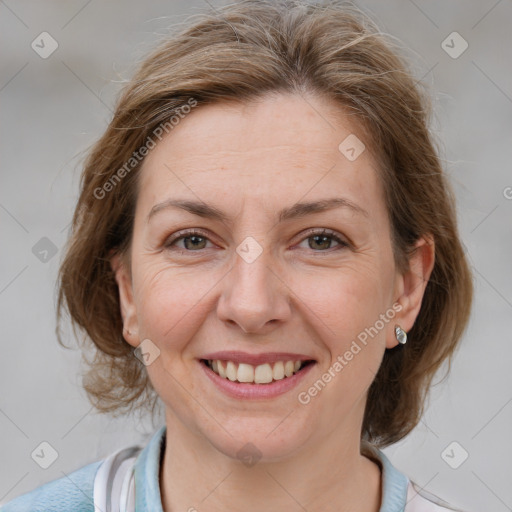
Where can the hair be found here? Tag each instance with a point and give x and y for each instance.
(242, 52)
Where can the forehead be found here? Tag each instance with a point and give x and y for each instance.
(275, 150)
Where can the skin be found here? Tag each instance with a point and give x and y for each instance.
(251, 160)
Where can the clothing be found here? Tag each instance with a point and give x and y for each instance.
(139, 468)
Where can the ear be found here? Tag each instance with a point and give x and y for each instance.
(410, 287)
(127, 304)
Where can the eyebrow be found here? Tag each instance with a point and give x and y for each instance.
(297, 210)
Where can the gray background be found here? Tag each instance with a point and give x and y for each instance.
(52, 110)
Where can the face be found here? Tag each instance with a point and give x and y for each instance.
(262, 281)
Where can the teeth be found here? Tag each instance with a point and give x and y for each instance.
(245, 373)
(231, 370)
(278, 371)
(261, 374)
(221, 369)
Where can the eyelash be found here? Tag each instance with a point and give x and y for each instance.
(194, 232)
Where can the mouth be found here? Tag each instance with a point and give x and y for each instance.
(261, 374)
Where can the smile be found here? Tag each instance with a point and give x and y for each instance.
(261, 374)
(264, 376)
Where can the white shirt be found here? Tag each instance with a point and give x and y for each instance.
(423, 502)
(399, 493)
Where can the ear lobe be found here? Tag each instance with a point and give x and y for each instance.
(412, 286)
(127, 304)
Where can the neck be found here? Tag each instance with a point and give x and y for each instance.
(330, 475)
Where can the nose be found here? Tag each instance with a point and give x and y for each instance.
(254, 296)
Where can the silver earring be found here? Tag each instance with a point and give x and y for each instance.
(401, 335)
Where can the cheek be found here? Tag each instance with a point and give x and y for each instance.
(171, 306)
(170, 303)
(353, 317)
(354, 336)
(346, 300)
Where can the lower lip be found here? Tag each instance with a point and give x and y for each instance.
(255, 391)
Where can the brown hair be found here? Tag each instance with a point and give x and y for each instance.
(242, 52)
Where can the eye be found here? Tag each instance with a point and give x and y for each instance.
(322, 239)
(193, 239)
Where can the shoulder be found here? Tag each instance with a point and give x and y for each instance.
(71, 492)
(399, 492)
(419, 500)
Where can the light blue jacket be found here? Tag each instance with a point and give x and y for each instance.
(75, 492)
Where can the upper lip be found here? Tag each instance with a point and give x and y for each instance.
(255, 359)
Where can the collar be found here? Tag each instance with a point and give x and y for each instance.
(147, 477)
(147, 474)
(394, 483)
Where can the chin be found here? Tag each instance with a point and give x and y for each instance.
(268, 439)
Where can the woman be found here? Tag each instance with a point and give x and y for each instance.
(265, 242)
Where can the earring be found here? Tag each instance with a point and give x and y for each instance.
(401, 335)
